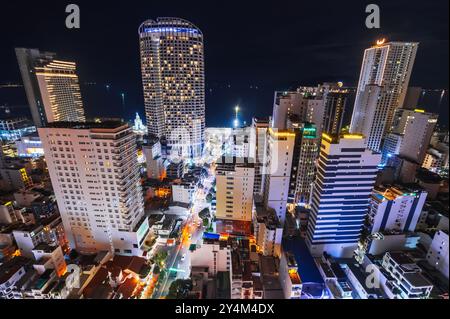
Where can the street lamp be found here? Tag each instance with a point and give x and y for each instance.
(236, 118)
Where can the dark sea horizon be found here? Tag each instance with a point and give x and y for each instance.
(102, 101)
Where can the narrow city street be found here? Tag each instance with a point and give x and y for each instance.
(178, 262)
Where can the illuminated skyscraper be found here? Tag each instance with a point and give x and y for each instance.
(303, 162)
(95, 175)
(52, 87)
(340, 198)
(389, 67)
(173, 80)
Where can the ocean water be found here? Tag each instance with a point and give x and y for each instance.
(221, 99)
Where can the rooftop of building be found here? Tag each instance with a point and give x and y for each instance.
(268, 265)
(233, 227)
(4, 117)
(428, 177)
(280, 134)
(335, 138)
(272, 287)
(107, 124)
(46, 248)
(417, 280)
(437, 206)
(267, 216)
(12, 266)
(262, 120)
(390, 192)
(99, 286)
(35, 189)
(401, 258)
(27, 228)
(228, 163)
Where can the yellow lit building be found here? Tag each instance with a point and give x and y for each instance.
(52, 87)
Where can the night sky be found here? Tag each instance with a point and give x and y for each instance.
(273, 45)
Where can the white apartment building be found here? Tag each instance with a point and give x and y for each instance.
(183, 192)
(49, 257)
(396, 208)
(407, 275)
(172, 65)
(411, 135)
(417, 132)
(27, 237)
(391, 146)
(369, 120)
(214, 255)
(95, 175)
(241, 143)
(438, 252)
(307, 103)
(234, 190)
(278, 165)
(383, 83)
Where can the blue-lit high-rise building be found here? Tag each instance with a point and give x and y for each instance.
(340, 199)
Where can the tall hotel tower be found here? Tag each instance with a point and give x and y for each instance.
(174, 83)
(52, 87)
(383, 82)
(340, 200)
(95, 175)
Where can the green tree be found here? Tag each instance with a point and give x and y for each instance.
(160, 258)
(179, 289)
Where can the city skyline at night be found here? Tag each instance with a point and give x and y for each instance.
(224, 157)
(246, 76)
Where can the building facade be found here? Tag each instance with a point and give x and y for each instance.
(396, 208)
(95, 175)
(438, 252)
(51, 86)
(172, 66)
(336, 99)
(387, 65)
(280, 150)
(234, 195)
(303, 162)
(346, 175)
(260, 126)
